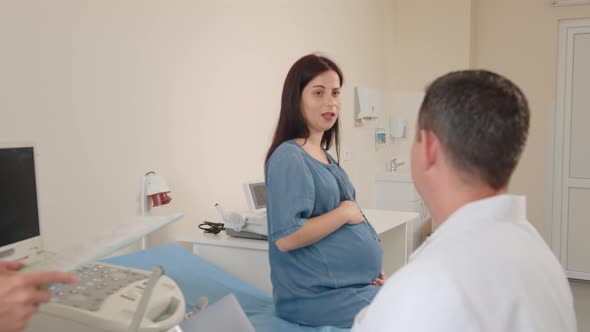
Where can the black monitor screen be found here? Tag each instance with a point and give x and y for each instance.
(19, 217)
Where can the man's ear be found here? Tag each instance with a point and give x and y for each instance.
(430, 148)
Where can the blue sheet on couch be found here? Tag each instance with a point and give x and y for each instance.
(197, 277)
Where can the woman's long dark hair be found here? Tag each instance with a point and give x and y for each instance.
(291, 121)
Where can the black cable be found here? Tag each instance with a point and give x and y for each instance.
(211, 227)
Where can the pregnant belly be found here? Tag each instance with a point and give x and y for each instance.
(353, 254)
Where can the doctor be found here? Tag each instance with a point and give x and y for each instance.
(20, 293)
(485, 268)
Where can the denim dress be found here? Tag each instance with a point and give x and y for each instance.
(328, 282)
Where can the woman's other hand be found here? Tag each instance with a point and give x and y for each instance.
(380, 280)
(352, 212)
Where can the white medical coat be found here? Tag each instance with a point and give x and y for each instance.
(485, 269)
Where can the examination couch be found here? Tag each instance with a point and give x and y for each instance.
(197, 277)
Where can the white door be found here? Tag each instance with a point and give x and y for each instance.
(571, 174)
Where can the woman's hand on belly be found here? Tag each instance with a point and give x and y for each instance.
(380, 280)
(353, 213)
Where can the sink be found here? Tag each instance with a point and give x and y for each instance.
(394, 176)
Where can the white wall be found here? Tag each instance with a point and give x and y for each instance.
(430, 38)
(190, 89)
(519, 39)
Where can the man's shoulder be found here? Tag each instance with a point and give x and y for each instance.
(422, 277)
(422, 268)
(421, 296)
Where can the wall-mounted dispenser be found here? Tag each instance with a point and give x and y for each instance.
(380, 136)
(397, 127)
(367, 103)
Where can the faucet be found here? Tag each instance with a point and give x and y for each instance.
(394, 165)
